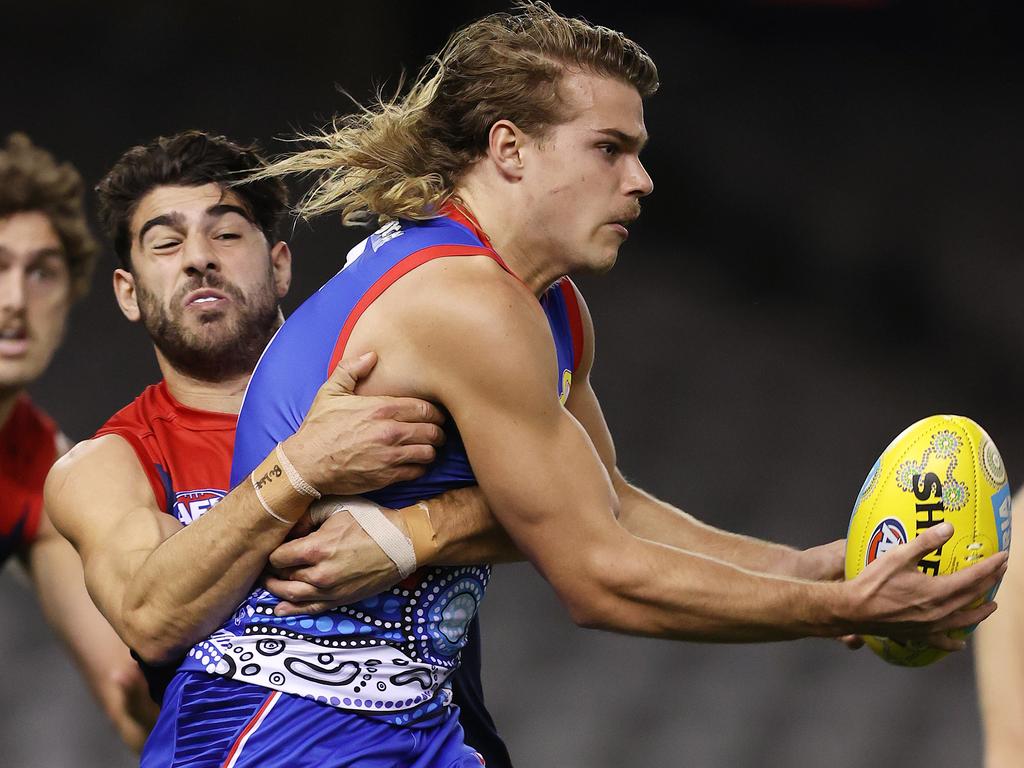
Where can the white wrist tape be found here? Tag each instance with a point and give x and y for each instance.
(387, 535)
(294, 477)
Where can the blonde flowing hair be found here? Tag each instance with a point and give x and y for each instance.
(402, 158)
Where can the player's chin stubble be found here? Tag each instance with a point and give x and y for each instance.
(226, 343)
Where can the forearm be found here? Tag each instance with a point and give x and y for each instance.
(466, 532)
(642, 587)
(649, 518)
(189, 584)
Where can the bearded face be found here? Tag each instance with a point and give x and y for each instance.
(205, 282)
(208, 337)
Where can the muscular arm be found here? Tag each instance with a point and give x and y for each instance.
(1000, 669)
(162, 586)
(546, 484)
(104, 661)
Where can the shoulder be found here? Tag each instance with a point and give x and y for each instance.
(106, 456)
(104, 469)
(468, 301)
(471, 332)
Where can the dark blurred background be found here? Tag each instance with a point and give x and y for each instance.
(832, 251)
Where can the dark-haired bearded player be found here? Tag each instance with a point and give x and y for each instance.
(203, 272)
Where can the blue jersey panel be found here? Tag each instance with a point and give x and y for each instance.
(296, 361)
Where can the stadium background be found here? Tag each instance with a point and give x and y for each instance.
(831, 252)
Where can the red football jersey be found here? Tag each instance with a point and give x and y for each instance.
(185, 452)
(28, 448)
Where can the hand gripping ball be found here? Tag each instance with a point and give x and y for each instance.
(943, 468)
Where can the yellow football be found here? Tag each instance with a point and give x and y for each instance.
(943, 468)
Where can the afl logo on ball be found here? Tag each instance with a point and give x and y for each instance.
(887, 534)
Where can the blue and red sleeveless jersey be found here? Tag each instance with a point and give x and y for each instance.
(391, 654)
(28, 448)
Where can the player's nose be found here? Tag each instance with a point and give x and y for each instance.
(12, 290)
(198, 255)
(639, 181)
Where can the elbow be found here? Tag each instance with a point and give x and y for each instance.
(154, 641)
(599, 596)
(152, 649)
(591, 617)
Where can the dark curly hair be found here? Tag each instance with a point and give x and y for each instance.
(190, 158)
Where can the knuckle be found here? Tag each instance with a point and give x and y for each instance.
(435, 435)
(409, 472)
(389, 434)
(424, 453)
(288, 591)
(318, 577)
(383, 410)
(344, 378)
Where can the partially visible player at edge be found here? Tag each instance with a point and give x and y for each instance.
(511, 163)
(1000, 669)
(46, 260)
(168, 553)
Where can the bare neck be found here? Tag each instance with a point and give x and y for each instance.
(510, 232)
(218, 396)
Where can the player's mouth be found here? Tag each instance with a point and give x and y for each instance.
(621, 226)
(14, 341)
(205, 298)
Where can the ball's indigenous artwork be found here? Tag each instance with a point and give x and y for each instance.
(940, 469)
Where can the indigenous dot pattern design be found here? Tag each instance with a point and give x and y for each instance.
(945, 444)
(992, 463)
(390, 654)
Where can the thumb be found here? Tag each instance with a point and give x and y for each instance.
(348, 372)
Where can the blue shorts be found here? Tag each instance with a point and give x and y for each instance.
(213, 722)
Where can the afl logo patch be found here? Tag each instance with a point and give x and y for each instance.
(887, 534)
(189, 506)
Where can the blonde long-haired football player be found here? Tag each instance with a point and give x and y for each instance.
(514, 162)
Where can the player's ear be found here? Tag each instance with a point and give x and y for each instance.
(505, 144)
(281, 263)
(124, 292)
